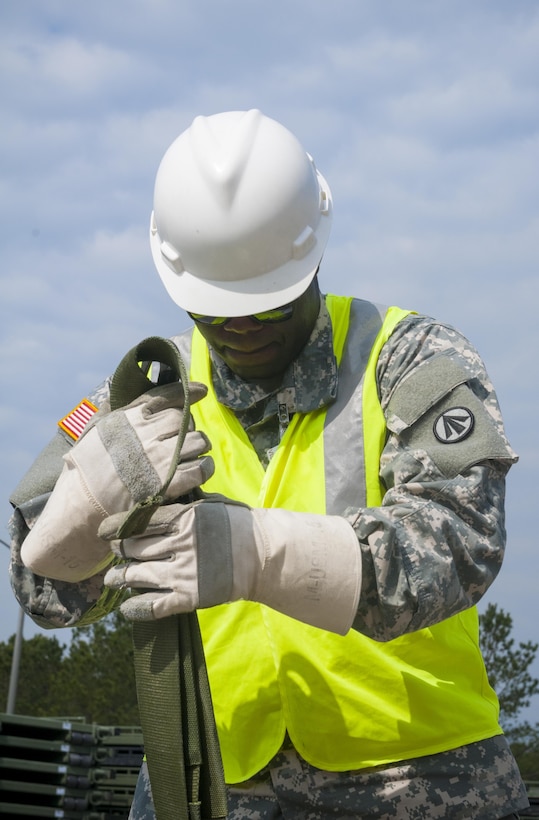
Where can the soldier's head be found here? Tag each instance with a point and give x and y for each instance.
(240, 222)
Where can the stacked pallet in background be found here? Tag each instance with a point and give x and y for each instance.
(532, 788)
(51, 767)
(119, 754)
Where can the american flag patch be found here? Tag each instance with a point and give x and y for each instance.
(75, 422)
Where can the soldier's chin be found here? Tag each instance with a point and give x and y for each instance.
(260, 363)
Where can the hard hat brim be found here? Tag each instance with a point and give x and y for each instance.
(242, 297)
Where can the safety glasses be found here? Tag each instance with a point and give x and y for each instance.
(280, 314)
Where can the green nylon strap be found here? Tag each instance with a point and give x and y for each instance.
(129, 382)
(176, 712)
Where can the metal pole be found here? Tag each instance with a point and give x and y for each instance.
(15, 661)
(15, 665)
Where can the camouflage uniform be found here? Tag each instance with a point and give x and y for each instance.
(457, 539)
(475, 782)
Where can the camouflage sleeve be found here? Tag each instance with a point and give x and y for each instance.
(436, 543)
(48, 602)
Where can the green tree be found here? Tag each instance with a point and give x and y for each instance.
(41, 657)
(96, 679)
(93, 677)
(507, 665)
(508, 668)
(524, 740)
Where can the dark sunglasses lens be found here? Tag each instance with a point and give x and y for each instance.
(208, 320)
(280, 314)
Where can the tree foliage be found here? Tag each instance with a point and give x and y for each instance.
(508, 668)
(98, 673)
(41, 657)
(93, 677)
(524, 740)
(507, 665)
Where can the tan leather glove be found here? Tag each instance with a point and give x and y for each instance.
(122, 459)
(211, 552)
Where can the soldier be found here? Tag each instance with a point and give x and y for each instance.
(359, 458)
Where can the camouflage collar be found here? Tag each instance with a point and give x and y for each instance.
(309, 382)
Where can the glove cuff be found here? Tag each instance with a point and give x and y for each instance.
(306, 566)
(214, 570)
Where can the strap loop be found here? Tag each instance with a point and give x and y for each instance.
(128, 382)
(176, 712)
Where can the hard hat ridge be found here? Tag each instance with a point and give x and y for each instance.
(241, 215)
(222, 154)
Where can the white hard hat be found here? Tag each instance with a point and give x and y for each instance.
(241, 216)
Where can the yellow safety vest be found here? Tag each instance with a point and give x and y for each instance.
(347, 702)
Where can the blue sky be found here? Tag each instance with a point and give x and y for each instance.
(422, 114)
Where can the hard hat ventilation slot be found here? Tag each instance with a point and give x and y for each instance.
(303, 244)
(324, 202)
(172, 257)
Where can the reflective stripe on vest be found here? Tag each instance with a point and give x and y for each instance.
(346, 702)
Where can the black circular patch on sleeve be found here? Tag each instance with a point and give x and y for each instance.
(454, 425)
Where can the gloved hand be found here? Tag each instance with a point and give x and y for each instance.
(126, 456)
(214, 551)
(122, 459)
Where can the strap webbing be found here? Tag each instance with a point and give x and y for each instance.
(176, 712)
